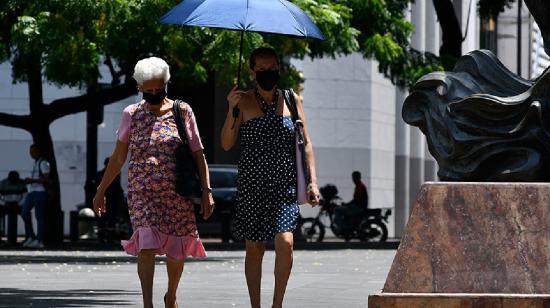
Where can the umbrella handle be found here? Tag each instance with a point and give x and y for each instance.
(240, 60)
(236, 112)
(236, 109)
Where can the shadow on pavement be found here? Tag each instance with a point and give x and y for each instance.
(26, 259)
(14, 298)
(335, 244)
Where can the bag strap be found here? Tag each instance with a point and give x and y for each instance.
(290, 98)
(176, 110)
(291, 103)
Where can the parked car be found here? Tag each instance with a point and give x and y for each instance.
(223, 179)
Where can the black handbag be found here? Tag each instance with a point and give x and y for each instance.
(188, 183)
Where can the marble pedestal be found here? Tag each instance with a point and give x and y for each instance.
(472, 243)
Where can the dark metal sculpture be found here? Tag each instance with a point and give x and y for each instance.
(484, 123)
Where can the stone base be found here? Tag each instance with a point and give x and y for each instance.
(480, 238)
(473, 245)
(458, 300)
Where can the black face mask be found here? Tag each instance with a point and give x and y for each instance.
(267, 79)
(154, 99)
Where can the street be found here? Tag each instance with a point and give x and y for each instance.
(326, 278)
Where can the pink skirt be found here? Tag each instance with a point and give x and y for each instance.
(177, 247)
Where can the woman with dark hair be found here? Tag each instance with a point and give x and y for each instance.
(267, 206)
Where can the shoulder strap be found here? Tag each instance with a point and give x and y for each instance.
(176, 110)
(290, 99)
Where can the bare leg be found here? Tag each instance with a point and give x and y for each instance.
(174, 268)
(283, 265)
(146, 272)
(253, 270)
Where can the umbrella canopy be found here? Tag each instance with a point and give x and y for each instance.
(270, 16)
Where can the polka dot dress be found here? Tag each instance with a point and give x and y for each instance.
(266, 199)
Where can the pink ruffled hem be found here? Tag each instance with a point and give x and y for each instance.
(177, 247)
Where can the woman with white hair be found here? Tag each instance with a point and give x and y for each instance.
(163, 221)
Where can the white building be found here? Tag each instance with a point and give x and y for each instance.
(353, 113)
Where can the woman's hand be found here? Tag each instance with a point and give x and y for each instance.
(99, 204)
(313, 194)
(207, 203)
(234, 97)
(233, 118)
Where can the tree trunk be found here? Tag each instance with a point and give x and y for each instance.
(451, 48)
(54, 221)
(40, 131)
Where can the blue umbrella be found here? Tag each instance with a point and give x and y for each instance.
(269, 16)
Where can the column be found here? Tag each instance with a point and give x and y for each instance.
(416, 158)
(432, 45)
(402, 165)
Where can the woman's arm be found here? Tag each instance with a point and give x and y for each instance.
(116, 161)
(207, 201)
(231, 126)
(313, 190)
(202, 167)
(195, 143)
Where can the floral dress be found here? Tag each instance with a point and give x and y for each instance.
(162, 219)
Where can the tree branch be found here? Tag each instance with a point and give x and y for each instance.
(452, 34)
(65, 106)
(17, 121)
(114, 74)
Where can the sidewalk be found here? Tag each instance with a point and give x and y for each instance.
(329, 243)
(320, 279)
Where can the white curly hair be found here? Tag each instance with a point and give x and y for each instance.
(151, 68)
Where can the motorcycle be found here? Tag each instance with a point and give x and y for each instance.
(345, 220)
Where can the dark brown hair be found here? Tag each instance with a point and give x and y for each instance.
(262, 51)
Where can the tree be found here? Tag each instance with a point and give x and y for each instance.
(384, 35)
(41, 41)
(451, 47)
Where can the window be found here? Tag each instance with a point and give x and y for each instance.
(223, 179)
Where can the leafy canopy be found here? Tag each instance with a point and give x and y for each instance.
(70, 38)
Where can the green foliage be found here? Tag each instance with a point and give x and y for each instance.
(334, 19)
(70, 38)
(385, 36)
(65, 47)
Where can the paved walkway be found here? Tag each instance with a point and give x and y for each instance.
(320, 279)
